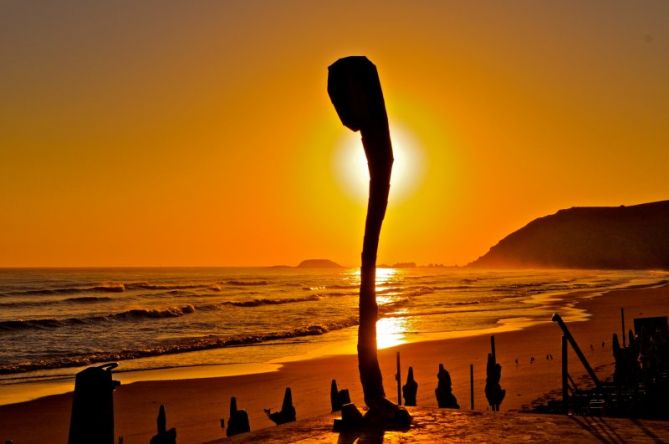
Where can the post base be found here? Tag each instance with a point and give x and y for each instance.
(383, 415)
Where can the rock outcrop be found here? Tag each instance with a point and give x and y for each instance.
(634, 237)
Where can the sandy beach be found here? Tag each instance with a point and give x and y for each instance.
(195, 406)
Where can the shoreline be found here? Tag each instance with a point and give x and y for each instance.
(56, 382)
(194, 406)
(17, 388)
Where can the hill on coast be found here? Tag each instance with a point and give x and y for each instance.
(632, 237)
(318, 263)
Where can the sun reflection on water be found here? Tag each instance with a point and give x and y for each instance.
(390, 332)
(383, 275)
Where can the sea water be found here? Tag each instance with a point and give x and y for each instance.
(53, 322)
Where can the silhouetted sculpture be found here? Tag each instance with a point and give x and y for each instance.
(410, 389)
(355, 92)
(238, 422)
(493, 390)
(164, 436)
(444, 390)
(287, 413)
(92, 417)
(338, 397)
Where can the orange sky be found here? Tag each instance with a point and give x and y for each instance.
(179, 133)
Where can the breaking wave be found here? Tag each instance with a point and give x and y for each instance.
(178, 346)
(139, 313)
(78, 300)
(240, 283)
(112, 287)
(128, 315)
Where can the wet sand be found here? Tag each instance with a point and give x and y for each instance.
(195, 406)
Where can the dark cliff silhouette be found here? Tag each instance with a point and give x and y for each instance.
(355, 91)
(634, 237)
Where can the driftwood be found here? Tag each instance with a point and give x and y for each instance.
(355, 92)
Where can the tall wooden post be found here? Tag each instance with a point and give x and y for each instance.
(355, 91)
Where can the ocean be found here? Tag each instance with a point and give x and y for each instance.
(53, 322)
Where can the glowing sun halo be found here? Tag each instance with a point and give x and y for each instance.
(351, 164)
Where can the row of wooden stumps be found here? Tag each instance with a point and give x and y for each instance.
(406, 394)
(93, 417)
(238, 421)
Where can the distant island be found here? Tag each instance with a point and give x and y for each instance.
(398, 265)
(318, 263)
(633, 237)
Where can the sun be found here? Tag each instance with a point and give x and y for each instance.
(351, 165)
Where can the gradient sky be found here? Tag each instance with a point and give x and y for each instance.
(201, 133)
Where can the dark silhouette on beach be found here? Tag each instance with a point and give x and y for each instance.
(287, 412)
(627, 365)
(238, 422)
(493, 390)
(410, 389)
(338, 397)
(92, 417)
(355, 91)
(164, 436)
(640, 379)
(444, 391)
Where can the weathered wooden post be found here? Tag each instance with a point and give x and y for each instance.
(355, 91)
(163, 436)
(565, 373)
(492, 349)
(92, 418)
(622, 321)
(471, 385)
(398, 378)
(444, 390)
(410, 389)
(287, 412)
(238, 422)
(558, 319)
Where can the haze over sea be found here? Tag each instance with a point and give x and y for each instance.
(54, 321)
